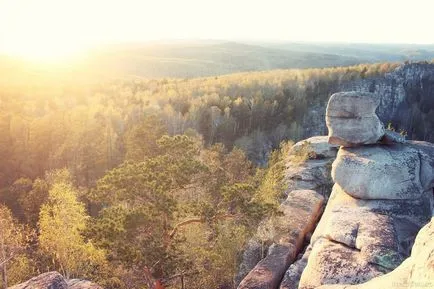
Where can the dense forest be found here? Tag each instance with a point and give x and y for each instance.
(124, 181)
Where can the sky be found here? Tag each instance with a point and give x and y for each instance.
(60, 27)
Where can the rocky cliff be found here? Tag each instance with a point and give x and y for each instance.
(381, 198)
(405, 100)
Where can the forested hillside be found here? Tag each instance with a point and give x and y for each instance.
(202, 58)
(109, 179)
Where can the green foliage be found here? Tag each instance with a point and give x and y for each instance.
(61, 222)
(159, 173)
(391, 127)
(21, 268)
(32, 201)
(302, 153)
(272, 185)
(140, 140)
(13, 242)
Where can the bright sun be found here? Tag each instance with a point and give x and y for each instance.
(46, 50)
(52, 32)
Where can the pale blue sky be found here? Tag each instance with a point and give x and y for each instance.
(56, 26)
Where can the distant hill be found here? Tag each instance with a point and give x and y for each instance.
(189, 59)
(362, 51)
(207, 59)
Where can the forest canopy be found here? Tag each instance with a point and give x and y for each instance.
(110, 179)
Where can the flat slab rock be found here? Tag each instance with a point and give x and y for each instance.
(379, 172)
(300, 211)
(318, 145)
(49, 280)
(82, 284)
(351, 119)
(54, 280)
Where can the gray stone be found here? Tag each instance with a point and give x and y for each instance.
(314, 173)
(292, 276)
(358, 223)
(334, 263)
(352, 104)
(426, 155)
(82, 284)
(251, 256)
(351, 119)
(414, 273)
(379, 172)
(367, 238)
(49, 280)
(318, 146)
(391, 137)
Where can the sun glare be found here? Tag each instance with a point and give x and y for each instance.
(45, 51)
(42, 32)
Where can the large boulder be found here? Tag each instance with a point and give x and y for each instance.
(415, 272)
(357, 239)
(350, 220)
(300, 212)
(49, 280)
(351, 119)
(334, 263)
(379, 172)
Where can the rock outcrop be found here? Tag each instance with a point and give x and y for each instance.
(415, 272)
(351, 119)
(405, 101)
(383, 195)
(308, 185)
(54, 280)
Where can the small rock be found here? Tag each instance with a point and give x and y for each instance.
(318, 146)
(391, 137)
(82, 284)
(291, 279)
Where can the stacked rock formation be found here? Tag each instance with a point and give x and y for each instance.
(307, 183)
(382, 197)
